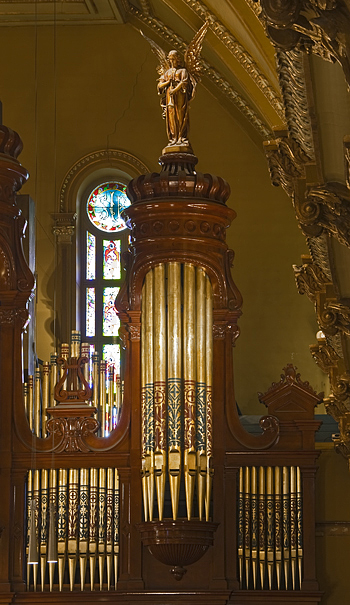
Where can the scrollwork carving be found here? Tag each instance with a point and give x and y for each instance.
(72, 432)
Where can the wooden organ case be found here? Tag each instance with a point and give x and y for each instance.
(178, 504)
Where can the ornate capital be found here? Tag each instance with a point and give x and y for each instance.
(64, 226)
(286, 160)
(325, 208)
(318, 26)
(310, 278)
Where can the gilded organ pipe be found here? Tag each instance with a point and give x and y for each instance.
(270, 523)
(254, 523)
(109, 526)
(209, 381)
(286, 523)
(93, 523)
(299, 524)
(189, 369)
(159, 392)
(102, 492)
(144, 461)
(174, 390)
(83, 523)
(149, 458)
(278, 525)
(262, 525)
(62, 509)
(43, 497)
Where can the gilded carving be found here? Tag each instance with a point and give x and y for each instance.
(325, 208)
(310, 279)
(286, 160)
(291, 75)
(318, 26)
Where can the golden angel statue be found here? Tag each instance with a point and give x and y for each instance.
(177, 85)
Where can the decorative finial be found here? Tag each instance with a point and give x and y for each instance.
(176, 87)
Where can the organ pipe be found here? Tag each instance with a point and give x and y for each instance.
(189, 365)
(159, 392)
(174, 382)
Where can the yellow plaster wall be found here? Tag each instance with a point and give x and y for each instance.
(93, 87)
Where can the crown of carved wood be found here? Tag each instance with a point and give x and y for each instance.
(178, 179)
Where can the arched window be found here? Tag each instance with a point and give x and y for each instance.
(104, 236)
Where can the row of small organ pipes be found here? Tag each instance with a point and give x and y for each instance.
(39, 390)
(73, 516)
(270, 549)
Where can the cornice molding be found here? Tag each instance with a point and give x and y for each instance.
(240, 54)
(208, 70)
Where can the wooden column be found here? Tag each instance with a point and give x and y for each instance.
(16, 283)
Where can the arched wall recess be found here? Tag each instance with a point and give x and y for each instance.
(88, 171)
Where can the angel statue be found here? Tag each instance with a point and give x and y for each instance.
(176, 86)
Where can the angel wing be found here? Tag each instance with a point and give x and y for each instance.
(193, 51)
(159, 52)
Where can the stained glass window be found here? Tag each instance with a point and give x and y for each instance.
(111, 321)
(90, 256)
(111, 355)
(105, 205)
(111, 259)
(103, 238)
(90, 311)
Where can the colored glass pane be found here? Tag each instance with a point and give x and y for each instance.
(90, 256)
(111, 259)
(90, 311)
(111, 355)
(111, 321)
(105, 205)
